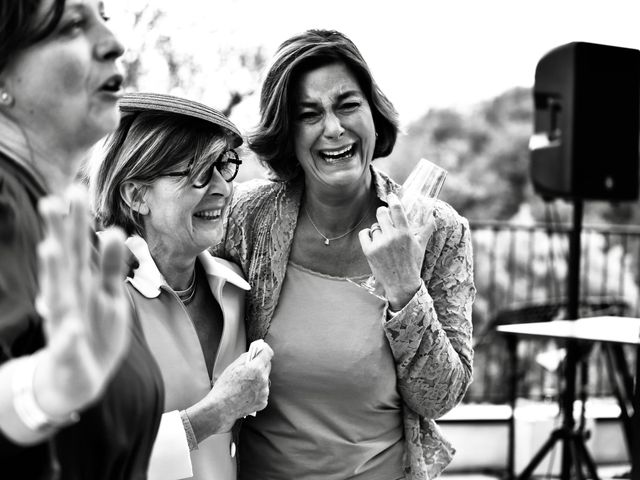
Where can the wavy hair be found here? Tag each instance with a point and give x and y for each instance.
(272, 140)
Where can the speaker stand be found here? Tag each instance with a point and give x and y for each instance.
(575, 455)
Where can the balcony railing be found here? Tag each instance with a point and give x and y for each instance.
(520, 275)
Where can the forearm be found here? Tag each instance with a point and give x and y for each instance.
(432, 374)
(206, 420)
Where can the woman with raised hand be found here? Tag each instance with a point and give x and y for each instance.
(80, 393)
(165, 179)
(357, 380)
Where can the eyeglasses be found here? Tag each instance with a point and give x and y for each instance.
(227, 165)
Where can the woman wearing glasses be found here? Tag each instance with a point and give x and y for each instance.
(166, 180)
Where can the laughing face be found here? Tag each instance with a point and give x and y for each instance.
(183, 220)
(334, 133)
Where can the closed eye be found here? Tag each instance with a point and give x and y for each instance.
(308, 116)
(73, 25)
(350, 106)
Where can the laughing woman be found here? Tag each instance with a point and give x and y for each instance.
(166, 180)
(356, 381)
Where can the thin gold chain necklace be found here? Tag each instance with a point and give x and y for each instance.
(327, 240)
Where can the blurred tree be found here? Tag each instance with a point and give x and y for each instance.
(155, 61)
(484, 150)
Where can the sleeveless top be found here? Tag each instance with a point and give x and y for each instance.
(334, 411)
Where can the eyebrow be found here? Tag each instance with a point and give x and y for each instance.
(341, 96)
(81, 6)
(72, 7)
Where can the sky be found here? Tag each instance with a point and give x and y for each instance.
(423, 54)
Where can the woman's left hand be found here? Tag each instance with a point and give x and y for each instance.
(395, 253)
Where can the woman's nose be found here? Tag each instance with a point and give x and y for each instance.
(108, 46)
(219, 185)
(332, 126)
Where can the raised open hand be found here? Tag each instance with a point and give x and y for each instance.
(85, 311)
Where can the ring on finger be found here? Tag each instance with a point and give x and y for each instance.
(375, 228)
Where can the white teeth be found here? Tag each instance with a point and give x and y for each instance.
(209, 215)
(338, 153)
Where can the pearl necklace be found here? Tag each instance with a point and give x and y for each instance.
(327, 240)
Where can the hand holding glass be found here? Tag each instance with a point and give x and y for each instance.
(423, 183)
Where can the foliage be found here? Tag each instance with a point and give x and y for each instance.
(156, 61)
(484, 150)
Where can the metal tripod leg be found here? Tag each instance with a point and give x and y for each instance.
(540, 454)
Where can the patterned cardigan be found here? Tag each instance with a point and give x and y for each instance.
(430, 337)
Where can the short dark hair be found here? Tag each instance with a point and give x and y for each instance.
(272, 140)
(146, 145)
(21, 27)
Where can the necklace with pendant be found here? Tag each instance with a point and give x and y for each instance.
(328, 240)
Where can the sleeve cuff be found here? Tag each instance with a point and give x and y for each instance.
(421, 301)
(391, 314)
(170, 458)
(188, 429)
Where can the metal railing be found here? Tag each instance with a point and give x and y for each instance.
(520, 275)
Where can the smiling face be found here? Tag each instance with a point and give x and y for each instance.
(183, 220)
(334, 135)
(66, 86)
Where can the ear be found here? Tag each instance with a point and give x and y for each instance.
(134, 195)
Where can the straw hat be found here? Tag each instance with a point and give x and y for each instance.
(139, 102)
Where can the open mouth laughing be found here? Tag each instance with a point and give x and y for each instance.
(338, 155)
(208, 214)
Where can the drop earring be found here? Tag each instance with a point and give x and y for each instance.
(6, 98)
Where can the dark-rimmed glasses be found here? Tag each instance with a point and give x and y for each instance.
(227, 165)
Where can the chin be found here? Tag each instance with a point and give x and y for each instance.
(210, 238)
(105, 123)
(111, 122)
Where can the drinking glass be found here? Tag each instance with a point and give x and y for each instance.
(423, 183)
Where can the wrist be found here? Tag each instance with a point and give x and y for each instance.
(204, 419)
(192, 440)
(400, 300)
(27, 405)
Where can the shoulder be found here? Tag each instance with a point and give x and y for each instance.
(20, 232)
(448, 215)
(12, 187)
(18, 202)
(256, 191)
(260, 200)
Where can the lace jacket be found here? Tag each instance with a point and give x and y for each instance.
(430, 337)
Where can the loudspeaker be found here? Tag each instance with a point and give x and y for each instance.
(586, 123)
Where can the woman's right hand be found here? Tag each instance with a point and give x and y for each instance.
(86, 313)
(242, 388)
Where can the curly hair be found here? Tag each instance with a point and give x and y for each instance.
(272, 141)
